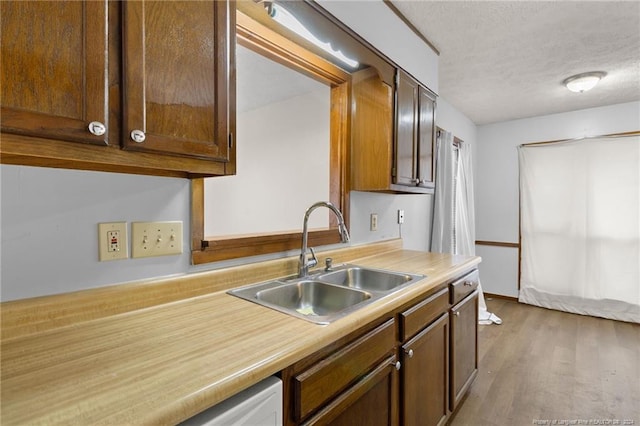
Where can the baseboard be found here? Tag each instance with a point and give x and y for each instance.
(500, 296)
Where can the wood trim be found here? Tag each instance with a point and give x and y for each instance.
(610, 135)
(278, 48)
(411, 26)
(197, 213)
(497, 244)
(30, 151)
(216, 250)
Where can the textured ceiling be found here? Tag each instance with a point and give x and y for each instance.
(504, 60)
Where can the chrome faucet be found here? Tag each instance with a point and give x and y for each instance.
(305, 262)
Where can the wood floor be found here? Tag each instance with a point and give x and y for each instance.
(542, 365)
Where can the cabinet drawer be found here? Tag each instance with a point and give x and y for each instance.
(420, 315)
(460, 288)
(327, 378)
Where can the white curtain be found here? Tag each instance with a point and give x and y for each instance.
(580, 226)
(453, 228)
(442, 226)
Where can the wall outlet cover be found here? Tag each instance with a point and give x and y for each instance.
(112, 241)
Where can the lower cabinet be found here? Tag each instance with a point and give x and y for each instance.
(412, 369)
(352, 382)
(370, 402)
(464, 347)
(425, 377)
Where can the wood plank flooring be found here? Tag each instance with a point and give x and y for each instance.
(542, 366)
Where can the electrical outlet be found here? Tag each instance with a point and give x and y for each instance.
(400, 216)
(374, 222)
(149, 239)
(112, 241)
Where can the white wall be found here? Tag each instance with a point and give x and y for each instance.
(50, 235)
(497, 178)
(282, 168)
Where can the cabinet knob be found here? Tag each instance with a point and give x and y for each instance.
(416, 181)
(456, 313)
(409, 353)
(397, 365)
(97, 128)
(138, 136)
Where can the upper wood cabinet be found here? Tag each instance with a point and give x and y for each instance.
(54, 61)
(415, 134)
(144, 86)
(175, 78)
(391, 149)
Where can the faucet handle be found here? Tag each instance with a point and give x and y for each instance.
(328, 263)
(314, 260)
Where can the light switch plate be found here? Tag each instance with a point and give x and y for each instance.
(373, 222)
(149, 239)
(112, 241)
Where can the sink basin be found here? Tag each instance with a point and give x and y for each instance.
(308, 299)
(366, 278)
(312, 297)
(326, 296)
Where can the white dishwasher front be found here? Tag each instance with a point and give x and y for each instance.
(259, 405)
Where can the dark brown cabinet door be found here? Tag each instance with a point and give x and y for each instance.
(426, 138)
(406, 130)
(54, 70)
(425, 375)
(464, 347)
(415, 131)
(371, 402)
(176, 77)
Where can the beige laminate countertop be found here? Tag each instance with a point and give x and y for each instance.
(165, 363)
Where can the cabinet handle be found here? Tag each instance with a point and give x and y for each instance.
(468, 283)
(397, 365)
(138, 136)
(409, 353)
(97, 128)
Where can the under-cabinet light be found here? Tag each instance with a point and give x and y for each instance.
(284, 17)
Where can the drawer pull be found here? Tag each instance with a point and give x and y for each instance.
(468, 283)
(409, 353)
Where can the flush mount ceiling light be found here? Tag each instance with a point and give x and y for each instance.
(582, 82)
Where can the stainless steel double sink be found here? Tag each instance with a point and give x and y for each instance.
(326, 296)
